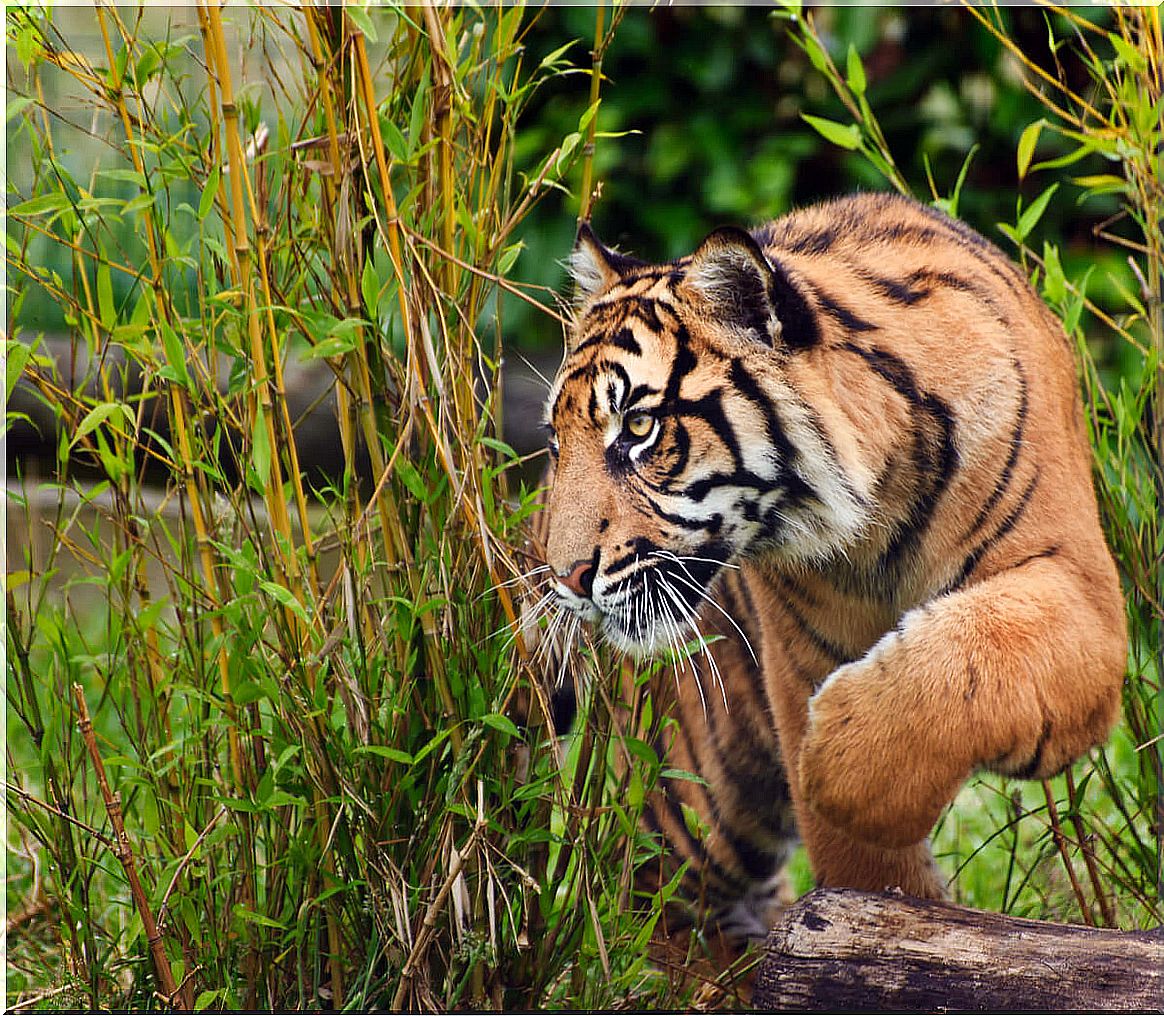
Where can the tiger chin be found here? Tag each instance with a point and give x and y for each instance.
(845, 450)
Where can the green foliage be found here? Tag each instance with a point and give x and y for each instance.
(303, 695)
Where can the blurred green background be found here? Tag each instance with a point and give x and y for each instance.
(711, 100)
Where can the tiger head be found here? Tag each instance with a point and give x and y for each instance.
(679, 446)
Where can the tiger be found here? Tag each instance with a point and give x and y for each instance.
(845, 452)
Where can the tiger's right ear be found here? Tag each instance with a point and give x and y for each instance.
(594, 267)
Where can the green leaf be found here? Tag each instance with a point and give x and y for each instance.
(342, 337)
(498, 721)
(105, 308)
(175, 354)
(1128, 54)
(206, 999)
(362, 21)
(285, 597)
(98, 415)
(261, 456)
(383, 751)
(855, 71)
(370, 288)
(412, 480)
(1030, 218)
(54, 201)
(509, 257)
(1026, 145)
(209, 192)
(498, 446)
(1054, 281)
(816, 54)
(250, 915)
(16, 356)
(846, 136)
(394, 140)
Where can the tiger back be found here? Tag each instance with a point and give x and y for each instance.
(846, 449)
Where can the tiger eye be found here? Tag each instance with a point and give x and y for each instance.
(639, 424)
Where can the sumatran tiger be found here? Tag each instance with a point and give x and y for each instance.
(846, 451)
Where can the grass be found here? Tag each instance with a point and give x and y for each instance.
(333, 764)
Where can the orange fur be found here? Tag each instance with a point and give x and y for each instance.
(867, 409)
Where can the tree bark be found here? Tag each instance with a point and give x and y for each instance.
(840, 950)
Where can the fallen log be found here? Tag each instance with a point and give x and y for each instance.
(839, 950)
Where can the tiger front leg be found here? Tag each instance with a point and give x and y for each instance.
(1019, 674)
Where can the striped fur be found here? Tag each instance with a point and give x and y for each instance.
(857, 431)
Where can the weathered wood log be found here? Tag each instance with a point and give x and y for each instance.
(839, 950)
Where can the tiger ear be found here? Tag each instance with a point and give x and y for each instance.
(595, 267)
(732, 274)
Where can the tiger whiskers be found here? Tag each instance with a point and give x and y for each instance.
(689, 580)
(691, 622)
(670, 625)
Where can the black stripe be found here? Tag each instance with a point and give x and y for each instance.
(1007, 524)
(819, 242)
(823, 645)
(1027, 771)
(618, 371)
(709, 408)
(797, 490)
(906, 291)
(712, 525)
(696, 850)
(847, 318)
(684, 363)
(1016, 442)
(640, 392)
(642, 547)
(681, 448)
(624, 339)
(935, 454)
(697, 490)
(743, 764)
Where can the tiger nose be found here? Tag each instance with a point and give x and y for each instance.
(580, 578)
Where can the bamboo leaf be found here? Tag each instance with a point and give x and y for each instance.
(209, 192)
(175, 353)
(260, 452)
(846, 136)
(16, 357)
(105, 308)
(855, 77)
(98, 415)
(1026, 145)
(1030, 218)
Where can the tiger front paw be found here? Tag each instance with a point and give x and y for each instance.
(873, 761)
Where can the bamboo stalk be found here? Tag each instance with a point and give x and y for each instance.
(173, 994)
(181, 426)
(596, 55)
(239, 183)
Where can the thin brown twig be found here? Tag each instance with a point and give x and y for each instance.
(125, 855)
(1061, 846)
(1105, 907)
(420, 945)
(31, 799)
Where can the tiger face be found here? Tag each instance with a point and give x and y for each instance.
(680, 447)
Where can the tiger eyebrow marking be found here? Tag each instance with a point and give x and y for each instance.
(638, 393)
(621, 338)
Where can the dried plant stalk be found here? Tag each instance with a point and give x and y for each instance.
(174, 995)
